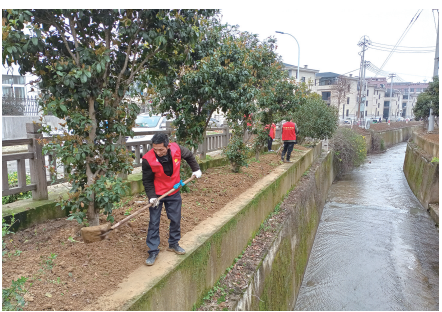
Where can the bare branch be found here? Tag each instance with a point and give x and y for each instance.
(61, 31)
(74, 36)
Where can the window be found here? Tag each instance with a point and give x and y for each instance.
(10, 79)
(412, 90)
(365, 113)
(326, 95)
(19, 92)
(346, 113)
(366, 103)
(302, 79)
(367, 92)
(349, 88)
(7, 90)
(386, 103)
(379, 96)
(378, 105)
(348, 100)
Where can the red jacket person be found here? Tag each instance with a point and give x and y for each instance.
(272, 133)
(161, 172)
(289, 131)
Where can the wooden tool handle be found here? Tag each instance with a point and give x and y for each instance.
(146, 207)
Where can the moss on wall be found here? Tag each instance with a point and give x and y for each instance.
(422, 175)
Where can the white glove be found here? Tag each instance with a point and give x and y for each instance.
(154, 202)
(197, 174)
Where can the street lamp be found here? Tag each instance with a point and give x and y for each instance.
(299, 50)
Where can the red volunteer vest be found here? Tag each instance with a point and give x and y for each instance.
(272, 130)
(288, 131)
(163, 182)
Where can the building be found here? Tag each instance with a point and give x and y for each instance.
(16, 85)
(404, 96)
(306, 74)
(324, 85)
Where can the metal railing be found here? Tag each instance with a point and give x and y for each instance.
(16, 106)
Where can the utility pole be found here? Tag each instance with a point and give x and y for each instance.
(435, 73)
(363, 43)
(391, 95)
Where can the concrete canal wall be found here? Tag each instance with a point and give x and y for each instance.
(394, 136)
(422, 174)
(276, 282)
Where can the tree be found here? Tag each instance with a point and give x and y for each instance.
(86, 61)
(315, 118)
(428, 99)
(340, 91)
(220, 76)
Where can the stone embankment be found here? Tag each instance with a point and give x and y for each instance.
(421, 168)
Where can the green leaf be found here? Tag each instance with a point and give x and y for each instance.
(63, 108)
(83, 78)
(34, 41)
(98, 68)
(88, 74)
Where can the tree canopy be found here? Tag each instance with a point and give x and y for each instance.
(86, 61)
(428, 99)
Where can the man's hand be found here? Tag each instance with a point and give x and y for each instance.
(154, 202)
(197, 174)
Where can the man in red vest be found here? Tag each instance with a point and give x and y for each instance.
(289, 131)
(271, 136)
(161, 173)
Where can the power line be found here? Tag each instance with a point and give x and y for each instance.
(413, 20)
(390, 45)
(402, 51)
(351, 71)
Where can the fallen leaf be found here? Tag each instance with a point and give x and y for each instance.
(48, 295)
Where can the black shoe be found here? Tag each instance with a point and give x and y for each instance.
(177, 249)
(151, 259)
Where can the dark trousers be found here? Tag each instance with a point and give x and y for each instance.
(288, 148)
(172, 204)
(269, 143)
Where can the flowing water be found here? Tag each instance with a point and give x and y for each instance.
(376, 247)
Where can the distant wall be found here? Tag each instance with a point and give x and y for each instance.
(14, 127)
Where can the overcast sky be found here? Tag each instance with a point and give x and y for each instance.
(328, 34)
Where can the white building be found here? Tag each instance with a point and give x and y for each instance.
(13, 84)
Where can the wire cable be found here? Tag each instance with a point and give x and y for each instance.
(400, 51)
(413, 20)
(390, 45)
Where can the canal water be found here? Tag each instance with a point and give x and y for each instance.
(376, 247)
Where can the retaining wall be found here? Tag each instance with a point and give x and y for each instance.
(394, 136)
(275, 284)
(422, 174)
(429, 147)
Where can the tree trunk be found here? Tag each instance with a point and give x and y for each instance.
(257, 155)
(92, 212)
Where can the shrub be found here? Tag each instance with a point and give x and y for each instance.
(13, 182)
(349, 148)
(236, 151)
(315, 119)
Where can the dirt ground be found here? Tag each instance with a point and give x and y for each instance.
(66, 274)
(232, 285)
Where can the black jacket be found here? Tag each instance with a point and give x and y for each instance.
(148, 175)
